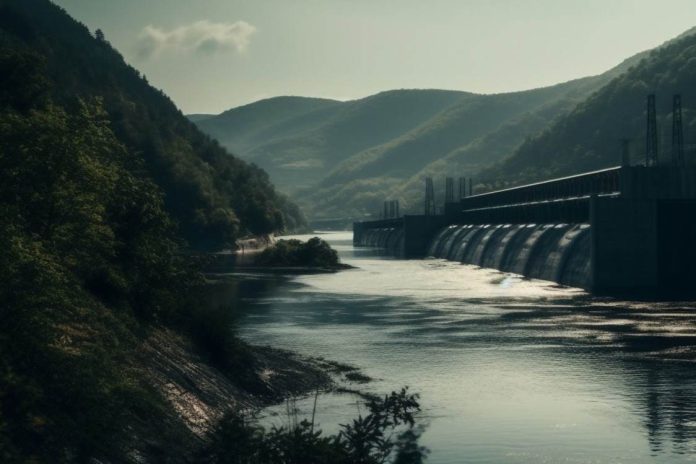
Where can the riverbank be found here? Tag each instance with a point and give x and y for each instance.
(246, 252)
(203, 376)
(198, 394)
(200, 390)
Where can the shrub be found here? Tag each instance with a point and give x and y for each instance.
(366, 440)
(313, 253)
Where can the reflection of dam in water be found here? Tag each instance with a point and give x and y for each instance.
(625, 230)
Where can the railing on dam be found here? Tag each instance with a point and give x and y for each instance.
(602, 182)
(573, 210)
(382, 223)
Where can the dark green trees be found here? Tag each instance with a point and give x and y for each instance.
(294, 253)
(387, 433)
(87, 249)
(212, 196)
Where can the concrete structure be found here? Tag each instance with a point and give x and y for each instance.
(642, 223)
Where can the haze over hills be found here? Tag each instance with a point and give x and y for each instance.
(298, 140)
(589, 137)
(246, 127)
(456, 138)
(342, 159)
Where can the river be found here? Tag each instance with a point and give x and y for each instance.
(509, 370)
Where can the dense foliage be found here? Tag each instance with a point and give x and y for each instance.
(590, 136)
(212, 196)
(103, 185)
(88, 250)
(386, 433)
(315, 252)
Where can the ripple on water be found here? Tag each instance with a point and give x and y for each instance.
(510, 370)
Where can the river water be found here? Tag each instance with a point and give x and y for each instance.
(509, 370)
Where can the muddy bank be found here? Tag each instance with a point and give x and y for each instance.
(198, 394)
(198, 391)
(201, 394)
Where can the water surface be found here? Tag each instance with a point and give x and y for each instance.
(509, 370)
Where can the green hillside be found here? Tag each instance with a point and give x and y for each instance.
(299, 140)
(589, 137)
(459, 141)
(104, 188)
(469, 159)
(364, 195)
(344, 159)
(244, 128)
(214, 197)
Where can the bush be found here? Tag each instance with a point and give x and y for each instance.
(295, 253)
(366, 440)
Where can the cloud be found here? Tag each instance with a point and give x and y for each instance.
(203, 37)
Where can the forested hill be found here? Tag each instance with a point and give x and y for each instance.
(212, 196)
(243, 128)
(342, 159)
(101, 180)
(590, 136)
(299, 140)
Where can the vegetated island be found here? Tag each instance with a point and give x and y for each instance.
(285, 256)
(314, 255)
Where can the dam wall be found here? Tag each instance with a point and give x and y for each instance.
(643, 247)
(628, 231)
(406, 237)
(556, 252)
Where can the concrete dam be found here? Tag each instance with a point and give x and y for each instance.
(625, 231)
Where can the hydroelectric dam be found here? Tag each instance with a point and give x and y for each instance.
(625, 231)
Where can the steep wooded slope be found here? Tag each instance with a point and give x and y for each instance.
(214, 197)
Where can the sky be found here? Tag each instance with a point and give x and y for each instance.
(212, 55)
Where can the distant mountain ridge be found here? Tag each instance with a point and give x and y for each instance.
(298, 140)
(589, 137)
(342, 159)
(245, 127)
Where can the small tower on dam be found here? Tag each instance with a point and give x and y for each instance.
(626, 231)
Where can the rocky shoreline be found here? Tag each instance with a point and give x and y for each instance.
(199, 394)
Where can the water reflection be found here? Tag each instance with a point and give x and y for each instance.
(510, 370)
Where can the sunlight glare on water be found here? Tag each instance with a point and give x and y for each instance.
(509, 370)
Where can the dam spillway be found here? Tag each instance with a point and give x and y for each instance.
(628, 231)
(556, 252)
